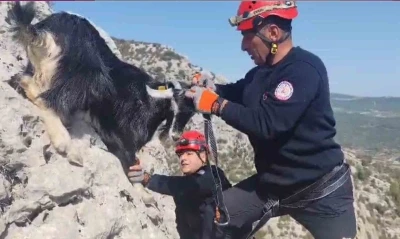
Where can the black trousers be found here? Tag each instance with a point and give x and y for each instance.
(331, 217)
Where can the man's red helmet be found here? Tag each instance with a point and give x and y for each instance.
(249, 11)
(191, 140)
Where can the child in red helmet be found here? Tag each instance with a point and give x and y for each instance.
(190, 192)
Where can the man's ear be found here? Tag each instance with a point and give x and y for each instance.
(272, 32)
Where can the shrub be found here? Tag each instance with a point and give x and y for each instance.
(394, 192)
(363, 173)
(170, 55)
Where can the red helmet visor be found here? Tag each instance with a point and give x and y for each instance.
(185, 144)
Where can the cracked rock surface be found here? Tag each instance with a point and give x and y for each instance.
(42, 196)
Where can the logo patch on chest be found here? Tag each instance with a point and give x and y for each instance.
(284, 90)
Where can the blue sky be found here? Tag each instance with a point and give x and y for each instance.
(358, 41)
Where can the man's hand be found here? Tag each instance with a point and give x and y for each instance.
(204, 79)
(136, 174)
(205, 100)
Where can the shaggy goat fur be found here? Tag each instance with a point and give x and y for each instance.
(71, 69)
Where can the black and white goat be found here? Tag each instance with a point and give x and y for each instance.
(71, 69)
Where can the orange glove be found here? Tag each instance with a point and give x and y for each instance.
(205, 100)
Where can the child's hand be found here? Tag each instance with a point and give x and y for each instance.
(136, 174)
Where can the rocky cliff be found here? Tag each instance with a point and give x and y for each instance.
(43, 196)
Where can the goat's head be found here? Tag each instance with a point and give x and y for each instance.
(182, 108)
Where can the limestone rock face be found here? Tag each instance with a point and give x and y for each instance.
(43, 196)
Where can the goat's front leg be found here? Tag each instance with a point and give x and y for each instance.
(58, 134)
(32, 91)
(128, 158)
(165, 129)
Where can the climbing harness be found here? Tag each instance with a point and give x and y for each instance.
(315, 191)
(218, 197)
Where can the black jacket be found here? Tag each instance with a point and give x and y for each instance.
(194, 218)
(285, 111)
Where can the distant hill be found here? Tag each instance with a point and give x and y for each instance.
(371, 123)
(375, 105)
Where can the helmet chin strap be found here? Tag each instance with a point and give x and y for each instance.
(273, 46)
(204, 163)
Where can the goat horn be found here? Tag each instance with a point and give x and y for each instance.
(160, 94)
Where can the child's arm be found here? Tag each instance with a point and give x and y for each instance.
(175, 185)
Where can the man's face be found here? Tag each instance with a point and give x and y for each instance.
(190, 162)
(255, 47)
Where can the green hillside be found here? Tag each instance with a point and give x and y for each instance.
(371, 123)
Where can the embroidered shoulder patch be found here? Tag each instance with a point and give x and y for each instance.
(284, 90)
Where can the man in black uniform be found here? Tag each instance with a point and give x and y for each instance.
(283, 105)
(194, 216)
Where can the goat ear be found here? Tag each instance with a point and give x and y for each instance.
(175, 85)
(178, 93)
